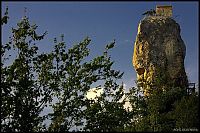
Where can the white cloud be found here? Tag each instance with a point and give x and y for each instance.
(94, 92)
(127, 104)
(124, 85)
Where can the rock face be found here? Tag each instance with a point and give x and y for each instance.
(159, 51)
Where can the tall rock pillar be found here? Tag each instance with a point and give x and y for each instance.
(159, 51)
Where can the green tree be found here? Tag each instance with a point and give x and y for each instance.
(33, 79)
(186, 112)
(22, 95)
(5, 18)
(106, 112)
(155, 110)
(75, 77)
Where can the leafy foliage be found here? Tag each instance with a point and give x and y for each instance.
(74, 78)
(186, 112)
(5, 18)
(22, 96)
(166, 109)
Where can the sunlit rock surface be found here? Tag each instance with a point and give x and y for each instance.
(159, 51)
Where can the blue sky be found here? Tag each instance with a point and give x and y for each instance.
(103, 22)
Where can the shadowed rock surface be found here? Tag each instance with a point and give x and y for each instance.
(159, 51)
